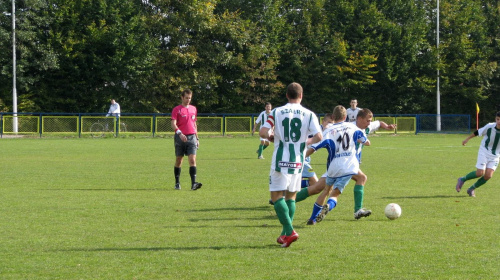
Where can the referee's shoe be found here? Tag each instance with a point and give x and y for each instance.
(196, 186)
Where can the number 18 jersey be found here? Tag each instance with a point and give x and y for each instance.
(292, 124)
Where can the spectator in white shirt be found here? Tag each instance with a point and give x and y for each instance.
(114, 109)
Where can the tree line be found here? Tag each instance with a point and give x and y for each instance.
(76, 55)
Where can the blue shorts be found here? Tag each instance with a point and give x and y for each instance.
(307, 170)
(339, 182)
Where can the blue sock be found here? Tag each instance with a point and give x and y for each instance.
(316, 209)
(305, 183)
(331, 203)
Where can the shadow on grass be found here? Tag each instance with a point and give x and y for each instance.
(155, 189)
(422, 196)
(265, 207)
(233, 219)
(216, 248)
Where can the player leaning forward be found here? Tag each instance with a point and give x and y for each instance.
(292, 124)
(487, 156)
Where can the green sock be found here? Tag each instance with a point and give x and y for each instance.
(265, 147)
(469, 176)
(291, 209)
(282, 212)
(303, 194)
(261, 149)
(358, 197)
(479, 183)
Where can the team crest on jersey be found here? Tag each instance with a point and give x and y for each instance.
(193, 116)
(293, 165)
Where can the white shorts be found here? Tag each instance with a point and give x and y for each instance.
(284, 182)
(485, 160)
(264, 139)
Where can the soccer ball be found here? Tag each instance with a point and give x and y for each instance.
(392, 211)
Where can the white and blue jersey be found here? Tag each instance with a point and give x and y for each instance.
(340, 140)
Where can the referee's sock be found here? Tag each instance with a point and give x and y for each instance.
(177, 174)
(192, 173)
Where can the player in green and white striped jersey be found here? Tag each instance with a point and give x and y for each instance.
(487, 157)
(264, 142)
(292, 125)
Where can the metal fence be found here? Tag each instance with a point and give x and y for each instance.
(98, 125)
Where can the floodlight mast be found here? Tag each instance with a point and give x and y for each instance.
(14, 89)
(438, 103)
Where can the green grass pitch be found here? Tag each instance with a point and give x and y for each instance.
(107, 209)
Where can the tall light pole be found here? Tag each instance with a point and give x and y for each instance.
(438, 103)
(14, 90)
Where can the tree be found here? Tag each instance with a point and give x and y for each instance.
(33, 57)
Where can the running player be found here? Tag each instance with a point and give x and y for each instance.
(340, 141)
(487, 156)
(264, 142)
(292, 124)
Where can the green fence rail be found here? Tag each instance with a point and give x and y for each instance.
(93, 125)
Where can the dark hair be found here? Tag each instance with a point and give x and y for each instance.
(363, 113)
(293, 90)
(329, 116)
(498, 114)
(268, 103)
(186, 91)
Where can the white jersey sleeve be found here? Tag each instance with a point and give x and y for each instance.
(292, 124)
(374, 126)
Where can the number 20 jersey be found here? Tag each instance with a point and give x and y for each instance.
(292, 124)
(340, 140)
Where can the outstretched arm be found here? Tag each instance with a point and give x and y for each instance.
(387, 126)
(476, 133)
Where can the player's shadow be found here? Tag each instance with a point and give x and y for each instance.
(420, 197)
(107, 189)
(195, 248)
(260, 208)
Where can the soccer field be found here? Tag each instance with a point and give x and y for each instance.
(107, 209)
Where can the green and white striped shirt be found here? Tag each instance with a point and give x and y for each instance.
(491, 138)
(292, 124)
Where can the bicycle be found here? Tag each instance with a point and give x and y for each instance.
(100, 128)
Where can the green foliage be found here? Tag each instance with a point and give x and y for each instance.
(107, 209)
(73, 56)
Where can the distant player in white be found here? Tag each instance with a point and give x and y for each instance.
(292, 124)
(342, 163)
(352, 112)
(264, 142)
(487, 156)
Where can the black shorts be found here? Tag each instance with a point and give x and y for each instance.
(185, 148)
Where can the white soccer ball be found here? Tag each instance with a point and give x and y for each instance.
(392, 211)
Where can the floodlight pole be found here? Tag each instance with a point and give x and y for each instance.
(14, 89)
(438, 105)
